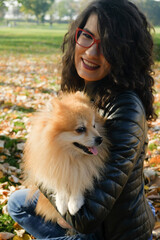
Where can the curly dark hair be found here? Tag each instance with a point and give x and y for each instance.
(127, 45)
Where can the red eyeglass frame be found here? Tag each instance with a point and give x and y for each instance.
(94, 40)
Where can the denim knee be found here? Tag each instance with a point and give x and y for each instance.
(17, 202)
(13, 203)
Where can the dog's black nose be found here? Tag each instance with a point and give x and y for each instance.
(98, 140)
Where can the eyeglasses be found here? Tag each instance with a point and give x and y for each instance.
(86, 40)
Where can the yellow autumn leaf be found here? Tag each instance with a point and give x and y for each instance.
(146, 187)
(25, 237)
(1, 174)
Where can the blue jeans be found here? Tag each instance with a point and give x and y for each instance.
(22, 211)
(154, 212)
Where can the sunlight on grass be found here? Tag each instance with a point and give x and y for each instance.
(31, 40)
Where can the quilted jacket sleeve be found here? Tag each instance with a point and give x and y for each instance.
(125, 126)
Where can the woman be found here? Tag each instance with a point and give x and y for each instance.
(107, 53)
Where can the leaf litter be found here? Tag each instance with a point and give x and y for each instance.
(26, 84)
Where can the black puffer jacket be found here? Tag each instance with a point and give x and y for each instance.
(117, 208)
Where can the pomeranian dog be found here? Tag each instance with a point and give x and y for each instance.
(65, 152)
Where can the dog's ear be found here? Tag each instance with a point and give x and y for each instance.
(80, 94)
(83, 97)
(55, 105)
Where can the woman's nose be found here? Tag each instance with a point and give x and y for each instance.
(93, 50)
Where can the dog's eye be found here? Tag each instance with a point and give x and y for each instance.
(81, 129)
(94, 126)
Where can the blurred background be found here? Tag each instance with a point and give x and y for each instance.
(56, 14)
(40, 11)
(13, 12)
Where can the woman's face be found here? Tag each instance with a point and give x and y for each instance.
(90, 64)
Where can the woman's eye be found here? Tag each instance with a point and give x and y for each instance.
(81, 129)
(87, 35)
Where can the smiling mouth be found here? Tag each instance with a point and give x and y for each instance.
(88, 150)
(89, 65)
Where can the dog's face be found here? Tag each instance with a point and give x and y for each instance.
(75, 125)
(87, 138)
(82, 134)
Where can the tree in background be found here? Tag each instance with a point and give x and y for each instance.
(67, 9)
(151, 8)
(54, 9)
(83, 4)
(38, 8)
(3, 9)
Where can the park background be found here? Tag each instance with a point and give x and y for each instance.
(31, 34)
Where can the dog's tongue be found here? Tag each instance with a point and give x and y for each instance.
(93, 150)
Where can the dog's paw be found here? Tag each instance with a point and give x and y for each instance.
(75, 203)
(61, 203)
(62, 208)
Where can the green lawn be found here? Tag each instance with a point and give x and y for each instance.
(156, 36)
(157, 30)
(37, 40)
(42, 39)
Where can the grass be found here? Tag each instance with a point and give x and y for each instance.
(6, 222)
(27, 38)
(32, 40)
(156, 37)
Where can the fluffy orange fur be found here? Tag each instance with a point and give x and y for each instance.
(51, 158)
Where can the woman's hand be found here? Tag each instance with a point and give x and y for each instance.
(63, 223)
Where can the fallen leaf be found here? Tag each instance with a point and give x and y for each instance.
(2, 144)
(1, 174)
(6, 235)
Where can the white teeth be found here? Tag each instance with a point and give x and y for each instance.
(89, 64)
